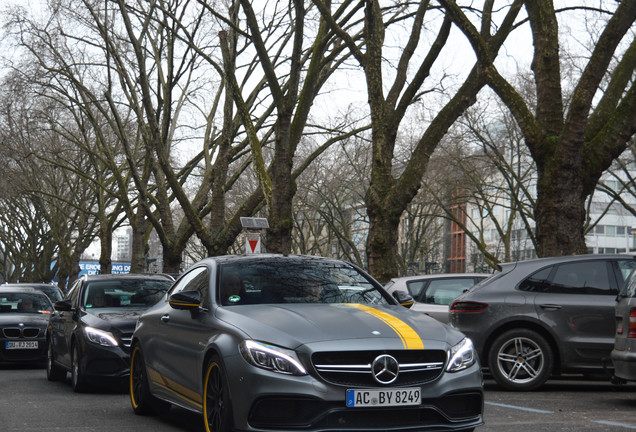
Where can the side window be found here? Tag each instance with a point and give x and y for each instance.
(537, 282)
(587, 277)
(415, 287)
(630, 286)
(444, 291)
(195, 280)
(625, 269)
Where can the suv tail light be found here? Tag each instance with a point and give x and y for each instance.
(460, 306)
(632, 324)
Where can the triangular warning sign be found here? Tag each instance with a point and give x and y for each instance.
(252, 243)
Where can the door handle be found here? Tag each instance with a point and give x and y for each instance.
(550, 306)
(165, 318)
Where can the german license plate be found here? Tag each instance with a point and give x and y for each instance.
(383, 398)
(21, 345)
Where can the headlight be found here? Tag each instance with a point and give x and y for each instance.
(100, 337)
(271, 357)
(461, 356)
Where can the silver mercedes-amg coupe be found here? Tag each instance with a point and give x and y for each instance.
(297, 343)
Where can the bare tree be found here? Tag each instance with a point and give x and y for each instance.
(388, 196)
(329, 213)
(574, 139)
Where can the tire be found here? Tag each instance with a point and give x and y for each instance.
(520, 360)
(217, 407)
(142, 401)
(53, 371)
(78, 378)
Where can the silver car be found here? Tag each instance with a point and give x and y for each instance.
(434, 293)
(544, 317)
(624, 352)
(287, 343)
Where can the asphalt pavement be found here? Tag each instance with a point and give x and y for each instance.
(28, 402)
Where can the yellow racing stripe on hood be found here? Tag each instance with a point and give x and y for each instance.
(409, 337)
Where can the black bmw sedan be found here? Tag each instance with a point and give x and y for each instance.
(89, 334)
(24, 315)
(295, 343)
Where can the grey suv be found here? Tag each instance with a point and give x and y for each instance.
(542, 317)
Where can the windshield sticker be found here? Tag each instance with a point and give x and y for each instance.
(234, 299)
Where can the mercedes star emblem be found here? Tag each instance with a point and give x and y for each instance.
(385, 369)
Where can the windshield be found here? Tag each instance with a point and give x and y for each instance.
(131, 293)
(288, 281)
(25, 303)
(52, 293)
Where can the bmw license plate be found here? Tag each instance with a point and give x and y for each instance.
(21, 345)
(389, 397)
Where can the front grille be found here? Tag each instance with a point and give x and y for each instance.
(30, 332)
(126, 339)
(353, 368)
(11, 332)
(16, 332)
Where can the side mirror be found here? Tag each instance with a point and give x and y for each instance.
(63, 305)
(405, 299)
(185, 300)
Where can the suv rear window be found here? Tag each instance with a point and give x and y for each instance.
(537, 282)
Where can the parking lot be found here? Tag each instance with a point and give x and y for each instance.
(562, 405)
(31, 403)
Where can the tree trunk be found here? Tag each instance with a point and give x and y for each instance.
(382, 242)
(283, 191)
(106, 249)
(171, 261)
(559, 216)
(139, 244)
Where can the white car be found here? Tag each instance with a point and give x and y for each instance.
(434, 293)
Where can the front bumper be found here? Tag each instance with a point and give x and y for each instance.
(102, 364)
(268, 401)
(36, 355)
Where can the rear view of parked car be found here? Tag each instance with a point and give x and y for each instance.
(89, 335)
(434, 293)
(543, 317)
(624, 352)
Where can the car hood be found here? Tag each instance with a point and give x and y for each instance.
(106, 319)
(292, 325)
(9, 319)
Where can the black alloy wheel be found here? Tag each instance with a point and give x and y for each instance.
(78, 380)
(142, 401)
(217, 408)
(520, 359)
(53, 371)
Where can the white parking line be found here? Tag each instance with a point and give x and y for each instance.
(603, 422)
(609, 423)
(519, 408)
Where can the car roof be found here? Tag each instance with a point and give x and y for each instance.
(34, 285)
(441, 276)
(225, 259)
(566, 259)
(17, 290)
(120, 276)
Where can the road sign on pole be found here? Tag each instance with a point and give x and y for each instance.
(252, 243)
